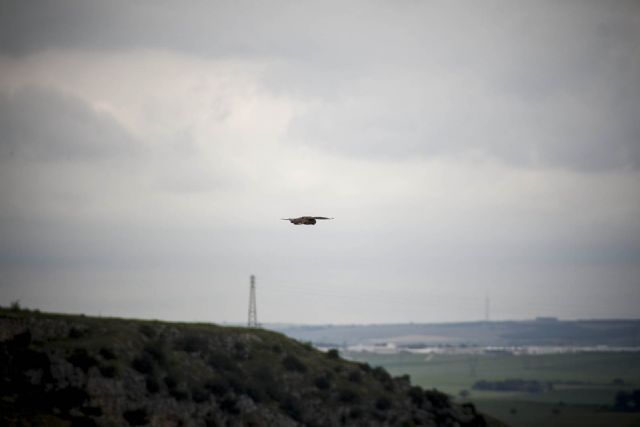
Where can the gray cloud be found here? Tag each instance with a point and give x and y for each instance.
(43, 125)
(455, 144)
(545, 84)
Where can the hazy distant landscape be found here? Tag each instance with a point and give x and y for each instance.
(539, 332)
(543, 372)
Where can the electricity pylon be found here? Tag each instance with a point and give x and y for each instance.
(253, 313)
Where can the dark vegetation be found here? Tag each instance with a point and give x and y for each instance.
(83, 371)
(627, 401)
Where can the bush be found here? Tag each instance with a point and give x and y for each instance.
(355, 413)
(170, 382)
(107, 354)
(322, 383)
(200, 394)
(437, 398)
(91, 411)
(143, 364)
(627, 401)
(81, 358)
(157, 350)
(333, 354)
(383, 404)
(354, 377)
(152, 385)
(136, 417)
(68, 398)
(348, 396)
(417, 395)
(240, 351)
(380, 374)
(109, 371)
(75, 333)
(147, 330)
(192, 344)
(220, 361)
(179, 394)
(292, 408)
(292, 363)
(365, 367)
(217, 386)
(228, 405)
(83, 422)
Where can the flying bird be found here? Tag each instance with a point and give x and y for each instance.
(307, 220)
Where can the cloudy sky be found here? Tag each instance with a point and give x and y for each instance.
(149, 149)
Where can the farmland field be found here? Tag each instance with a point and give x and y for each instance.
(584, 385)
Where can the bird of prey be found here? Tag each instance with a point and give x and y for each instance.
(306, 220)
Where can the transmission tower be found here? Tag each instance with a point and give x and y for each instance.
(253, 313)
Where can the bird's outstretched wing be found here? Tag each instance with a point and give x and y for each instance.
(321, 217)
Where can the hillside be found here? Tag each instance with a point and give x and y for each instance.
(62, 370)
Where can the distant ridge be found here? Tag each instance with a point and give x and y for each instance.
(541, 331)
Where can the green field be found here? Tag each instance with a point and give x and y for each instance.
(583, 383)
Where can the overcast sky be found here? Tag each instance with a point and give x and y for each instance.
(149, 149)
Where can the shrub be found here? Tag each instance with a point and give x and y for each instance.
(91, 411)
(381, 375)
(107, 353)
(437, 398)
(228, 405)
(109, 371)
(322, 383)
(292, 363)
(192, 344)
(241, 351)
(75, 333)
(83, 422)
(365, 367)
(383, 404)
(152, 385)
(417, 395)
(354, 377)
(136, 417)
(355, 413)
(333, 354)
(348, 396)
(170, 382)
(81, 358)
(216, 386)
(147, 330)
(220, 361)
(157, 351)
(143, 364)
(68, 398)
(179, 394)
(292, 408)
(199, 394)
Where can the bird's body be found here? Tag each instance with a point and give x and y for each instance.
(306, 220)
